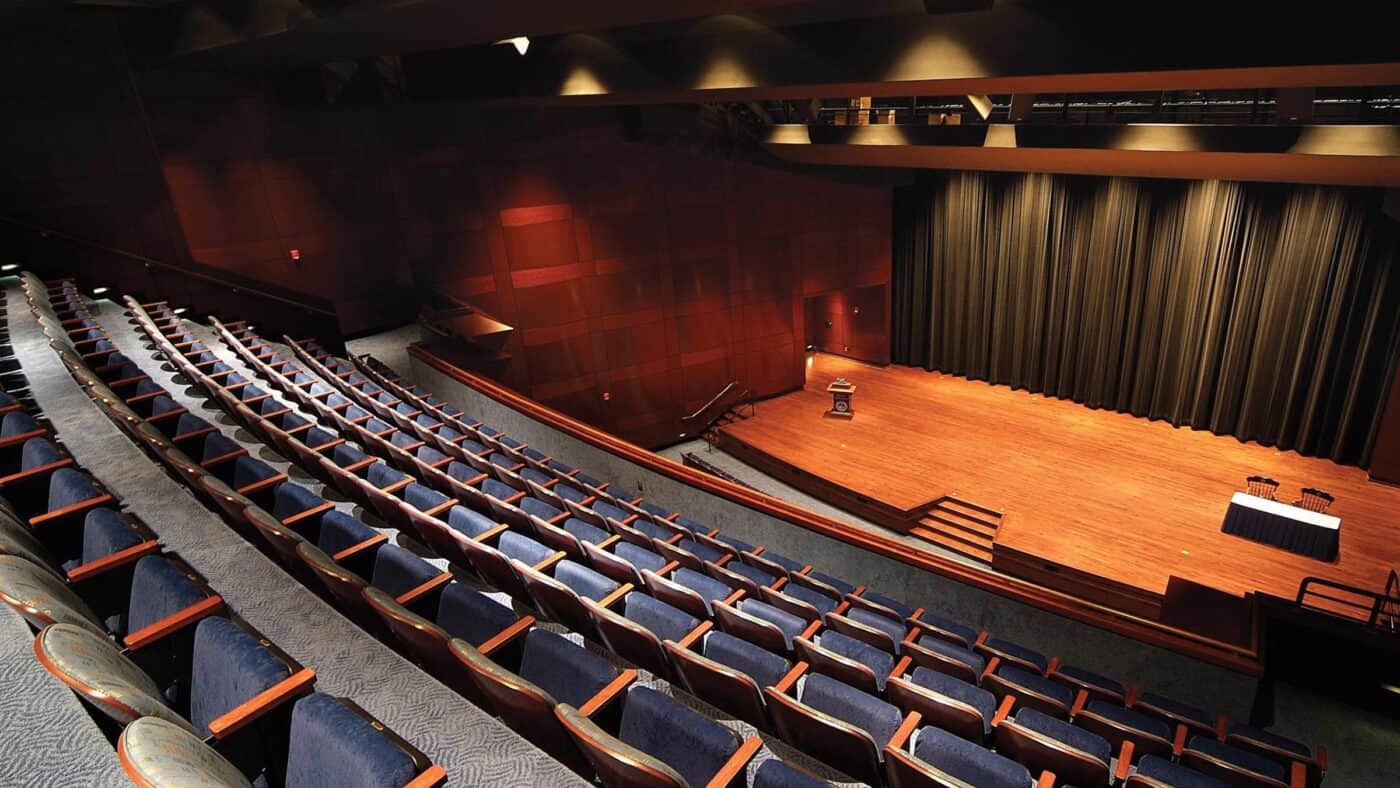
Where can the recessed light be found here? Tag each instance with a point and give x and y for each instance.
(100, 290)
(9, 266)
(182, 310)
(521, 43)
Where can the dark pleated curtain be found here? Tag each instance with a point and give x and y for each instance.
(1263, 311)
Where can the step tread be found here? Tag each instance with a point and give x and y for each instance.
(976, 540)
(937, 519)
(970, 510)
(941, 539)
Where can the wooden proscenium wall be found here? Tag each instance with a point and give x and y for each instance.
(639, 280)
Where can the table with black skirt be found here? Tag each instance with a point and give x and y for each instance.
(1297, 530)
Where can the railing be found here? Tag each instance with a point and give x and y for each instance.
(201, 289)
(1378, 610)
(733, 394)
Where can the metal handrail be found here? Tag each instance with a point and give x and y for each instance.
(1376, 607)
(724, 392)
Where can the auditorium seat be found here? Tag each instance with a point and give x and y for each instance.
(799, 601)
(331, 741)
(947, 702)
(954, 632)
(846, 659)
(761, 623)
(559, 597)
(941, 759)
(1028, 658)
(836, 723)
(1095, 684)
(1173, 711)
(731, 673)
(689, 590)
(868, 626)
(637, 633)
(1041, 742)
(660, 742)
(1149, 735)
(943, 656)
(774, 773)
(551, 670)
(1234, 765)
(1159, 772)
(623, 561)
(1029, 689)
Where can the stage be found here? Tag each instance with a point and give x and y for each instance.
(1107, 506)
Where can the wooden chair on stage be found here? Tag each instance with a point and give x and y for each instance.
(1315, 500)
(1262, 487)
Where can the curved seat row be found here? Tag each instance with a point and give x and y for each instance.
(178, 678)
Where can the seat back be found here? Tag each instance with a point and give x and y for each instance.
(345, 586)
(942, 705)
(615, 761)
(97, 670)
(725, 687)
(845, 746)
(1041, 742)
(628, 639)
(692, 744)
(154, 751)
(333, 743)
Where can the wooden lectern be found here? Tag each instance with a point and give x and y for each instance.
(841, 391)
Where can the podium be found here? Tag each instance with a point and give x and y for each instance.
(841, 391)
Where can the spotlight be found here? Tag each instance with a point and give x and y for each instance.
(9, 266)
(182, 310)
(100, 290)
(521, 43)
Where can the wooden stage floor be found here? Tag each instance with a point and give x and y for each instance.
(1114, 504)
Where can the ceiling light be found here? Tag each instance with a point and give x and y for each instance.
(182, 310)
(521, 43)
(9, 266)
(99, 290)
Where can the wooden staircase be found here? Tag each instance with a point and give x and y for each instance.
(730, 416)
(961, 526)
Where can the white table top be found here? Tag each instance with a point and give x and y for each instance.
(1285, 510)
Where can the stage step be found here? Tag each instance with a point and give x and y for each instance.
(960, 525)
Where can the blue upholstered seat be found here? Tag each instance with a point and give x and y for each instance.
(1092, 679)
(773, 773)
(522, 548)
(1086, 742)
(570, 493)
(248, 470)
(289, 499)
(497, 489)
(318, 436)
(975, 662)
(1175, 775)
(461, 471)
(17, 422)
(469, 521)
(585, 532)
(1129, 718)
(823, 603)
(347, 454)
(850, 705)
(422, 497)
(1272, 739)
(560, 466)
(538, 508)
(879, 662)
(569, 673)
(36, 452)
(968, 762)
(695, 746)
(751, 573)
(949, 687)
(639, 556)
(473, 446)
(791, 626)
(609, 511)
(228, 667)
(1245, 759)
(904, 610)
(948, 625)
(761, 665)
(67, 487)
(1018, 651)
(471, 615)
(654, 509)
(702, 551)
(104, 533)
(332, 745)
(535, 475)
(217, 445)
(397, 570)
(340, 531)
(735, 542)
(895, 629)
(662, 620)
(621, 493)
(584, 581)
(707, 587)
(651, 529)
(158, 589)
(429, 455)
(382, 475)
(1036, 683)
(790, 564)
(501, 460)
(1177, 709)
(835, 582)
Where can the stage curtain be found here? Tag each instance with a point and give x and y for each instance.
(1264, 311)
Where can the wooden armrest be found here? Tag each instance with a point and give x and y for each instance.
(67, 511)
(423, 589)
(812, 629)
(255, 400)
(1050, 668)
(559, 518)
(136, 398)
(306, 514)
(36, 471)
(97, 566)
(1222, 726)
(331, 444)
(694, 635)
(992, 665)
(905, 730)
(1179, 741)
(192, 434)
(608, 694)
(1321, 756)
(169, 414)
(735, 597)
(491, 533)
(385, 433)
(434, 511)
(1003, 710)
(1125, 760)
(1297, 772)
(1134, 690)
(442, 463)
(356, 549)
(429, 778)
(514, 499)
(274, 414)
(900, 667)
(736, 765)
(398, 485)
(1080, 698)
(112, 384)
(668, 568)
(173, 622)
(1046, 780)
(499, 640)
(616, 595)
(789, 681)
(262, 484)
(300, 427)
(547, 564)
(15, 440)
(410, 448)
(609, 542)
(673, 539)
(360, 465)
(298, 683)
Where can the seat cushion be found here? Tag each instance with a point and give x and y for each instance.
(471, 615)
(1177, 708)
(347, 454)
(228, 667)
(733, 541)
(895, 629)
(381, 475)
(609, 511)
(834, 582)
(968, 762)
(289, 499)
(974, 661)
(850, 705)
(158, 589)
(332, 745)
(1245, 759)
(879, 661)
(1271, 739)
(1092, 679)
(539, 508)
(702, 551)
(949, 687)
(469, 521)
(791, 626)
(967, 633)
(397, 570)
(339, 531)
(247, 470)
(67, 487)
(569, 673)
(773, 773)
(584, 581)
(694, 745)
(585, 532)
(823, 603)
(423, 498)
(761, 665)
(896, 605)
(523, 549)
(752, 573)
(1037, 683)
(661, 619)
(15, 423)
(707, 587)
(791, 565)
(1086, 742)
(639, 556)
(1018, 651)
(36, 452)
(104, 533)
(1129, 718)
(1175, 775)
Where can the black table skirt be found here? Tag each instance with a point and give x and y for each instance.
(1267, 528)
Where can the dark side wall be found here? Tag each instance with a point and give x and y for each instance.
(639, 280)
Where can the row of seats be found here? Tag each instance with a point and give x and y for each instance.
(1156, 725)
(179, 679)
